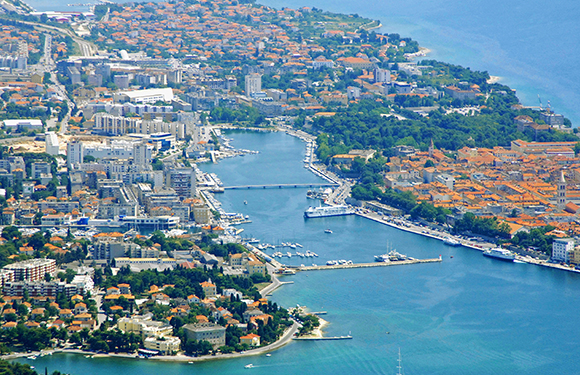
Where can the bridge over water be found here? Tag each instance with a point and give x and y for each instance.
(280, 186)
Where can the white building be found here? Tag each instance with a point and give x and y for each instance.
(145, 96)
(52, 144)
(164, 345)
(253, 83)
(23, 124)
(562, 249)
(322, 62)
(84, 282)
(74, 153)
(382, 75)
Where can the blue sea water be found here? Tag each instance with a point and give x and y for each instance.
(466, 315)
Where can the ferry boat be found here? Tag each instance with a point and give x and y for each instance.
(326, 211)
(451, 241)
(501, 254)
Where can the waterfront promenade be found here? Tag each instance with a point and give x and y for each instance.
(410, 227)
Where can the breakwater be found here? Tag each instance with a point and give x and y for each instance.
(367, 265)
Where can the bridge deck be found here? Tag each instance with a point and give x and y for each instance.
(280, 186)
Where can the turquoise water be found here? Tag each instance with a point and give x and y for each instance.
(466, 315)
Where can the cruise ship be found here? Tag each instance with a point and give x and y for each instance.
(500, 253)
(325, 211)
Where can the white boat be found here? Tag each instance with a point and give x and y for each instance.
(249, 366)
(325, 211)
(297, 244)
(451, 241)
(289, 254)
(292, 246)
(328, 231)
(501, 254)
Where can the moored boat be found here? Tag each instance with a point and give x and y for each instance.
(501, 254)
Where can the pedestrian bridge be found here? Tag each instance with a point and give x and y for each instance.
(280, 186)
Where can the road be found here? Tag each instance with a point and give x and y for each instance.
(87, 48)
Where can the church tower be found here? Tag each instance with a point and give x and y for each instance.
(561, 194)
(431, 148)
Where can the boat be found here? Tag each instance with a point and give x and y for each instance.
(268, 355)
(451, 241)
(297, 244)
(245, 202)
(501, 254)
(328, 231)
(249, 366)
(325, 211)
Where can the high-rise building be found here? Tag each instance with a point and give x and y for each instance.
(183, 181)
(142, 154)
(74, 153)
(253, 83)
(52, 144)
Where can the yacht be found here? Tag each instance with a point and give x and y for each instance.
(328, 231)
(249, 366)
(501, 254)
(451, 241)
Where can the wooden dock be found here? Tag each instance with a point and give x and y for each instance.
(368, 265)
(349, 337)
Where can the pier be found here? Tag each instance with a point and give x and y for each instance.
(348, 337)
(367, 265)
(279, 186)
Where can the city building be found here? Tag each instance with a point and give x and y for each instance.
(165, 345)
(145, 96)
(253, 83)
(213, 333)
(52, 144)
(562, 248)
(32, 269)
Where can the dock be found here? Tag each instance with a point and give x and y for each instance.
(368, 265)
(348, 337)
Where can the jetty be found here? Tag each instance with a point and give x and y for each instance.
(367, 265)
(347, 337)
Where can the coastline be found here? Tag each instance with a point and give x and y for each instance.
(470, 245)
(285, 339)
